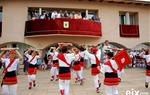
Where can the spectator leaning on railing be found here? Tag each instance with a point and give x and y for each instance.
(32, 15)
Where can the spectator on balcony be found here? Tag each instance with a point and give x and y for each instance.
(66, 14)
(54, 14)
(72, 14)
(85, 18)
(46, 15)
(49, 15)
(96, 18)
(43, 16)
(78, 16)
(60, 14)
(36, 15)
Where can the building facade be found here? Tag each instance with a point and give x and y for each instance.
(125, 24)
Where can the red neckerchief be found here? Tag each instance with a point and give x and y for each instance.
(5, 70)
(53, 55)
(62, 58)
(97, 60)
(110, 65)
(31, 59)
(79, 58)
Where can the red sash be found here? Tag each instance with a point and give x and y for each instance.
(97, 61)
(62, 58)
(110, 65)
(31, 59)
(79, 58)
(111, 81)
(78, 66)
(53, 55)
(5, 70)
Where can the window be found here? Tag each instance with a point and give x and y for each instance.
(123, 18)
(93, 15)
(129, 18)
(133, 18)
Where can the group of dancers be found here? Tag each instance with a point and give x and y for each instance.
(67, 58)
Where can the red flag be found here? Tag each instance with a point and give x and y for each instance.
(122, 59)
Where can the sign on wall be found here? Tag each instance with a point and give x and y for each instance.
(66, 24)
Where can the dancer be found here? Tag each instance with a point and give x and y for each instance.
(94, 58)
(65, 60)
(32, 69)
(9, 82)
(111, 80)
(147, 57)
(77, 68)
(54, 69)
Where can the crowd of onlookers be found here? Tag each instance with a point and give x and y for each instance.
(46, 61)
(32, 15)
(137, 60)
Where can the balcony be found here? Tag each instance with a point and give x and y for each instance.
(129, 31)
(0, 29)
(62, 26)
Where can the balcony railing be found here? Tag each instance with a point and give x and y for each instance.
(129, 31)
(62, 26)
(0, 29)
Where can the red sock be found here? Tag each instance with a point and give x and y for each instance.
(52, 77)
(76, 78)
(62, 92)
(34, 82)
(30, 84)
(97, 88)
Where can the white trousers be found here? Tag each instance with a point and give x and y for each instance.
(120, 73)
(147, 79)
(31, 78)
(54, 72)
(111, 90)
(96, 81)
(78, 74)
(64, 85)
(9, 89)
(81, 71)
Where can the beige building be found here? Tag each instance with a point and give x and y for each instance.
(122, 22)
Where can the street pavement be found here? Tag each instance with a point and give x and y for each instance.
(132, 81)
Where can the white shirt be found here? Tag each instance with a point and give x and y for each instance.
(147, 57)
(54, 15)
(69, 58)
(58, 15)
(106, 68)
(42, 16)
(77, 57)
(13, 67)
(105, 48)
(82, 54)
(34, 61)
(92, 57)
(133, 54)
(54, 55)
(85, 57)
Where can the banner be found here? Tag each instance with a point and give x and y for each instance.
(122, 59)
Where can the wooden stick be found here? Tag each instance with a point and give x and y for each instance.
(9, 49)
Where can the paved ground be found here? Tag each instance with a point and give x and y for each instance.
(132, 79)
